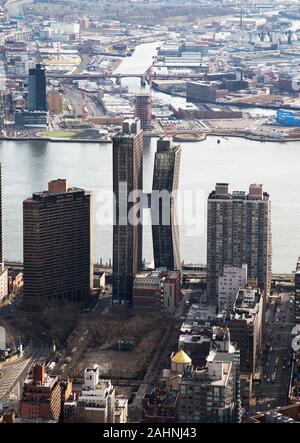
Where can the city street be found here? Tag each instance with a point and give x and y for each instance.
(161, 359)
(16, 372)
(277, 360)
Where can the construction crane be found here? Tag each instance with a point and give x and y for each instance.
(241, 18)
(84, 108)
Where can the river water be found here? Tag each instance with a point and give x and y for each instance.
(28, 166)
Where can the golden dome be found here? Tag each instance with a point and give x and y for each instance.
(181, 357)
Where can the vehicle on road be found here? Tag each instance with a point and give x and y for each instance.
(273, 378)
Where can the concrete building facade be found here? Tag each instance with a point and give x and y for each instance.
(238, 232)
(245, 325)
(97, 402)
(232, 279)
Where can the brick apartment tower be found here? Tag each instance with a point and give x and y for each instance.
(238, 232)
(57, 243)
(127, 237)
(165, 229)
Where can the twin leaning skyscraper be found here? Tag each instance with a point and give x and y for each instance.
(128, 234)
(58, 228)
(238, 224)
(127, 237)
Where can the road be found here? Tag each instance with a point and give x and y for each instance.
(278, 358)
(15, 7)
(68, 357)
(161, 359)
(16, 372)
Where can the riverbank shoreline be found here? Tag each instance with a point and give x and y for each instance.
(55, 140)
(203, 138)
(240, 105)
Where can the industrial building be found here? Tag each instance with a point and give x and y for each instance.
(288, 118)
(201, 91)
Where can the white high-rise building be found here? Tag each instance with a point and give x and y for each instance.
(238, 232)
(95, 404)
(233, 278)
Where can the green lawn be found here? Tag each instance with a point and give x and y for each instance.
(58, 134)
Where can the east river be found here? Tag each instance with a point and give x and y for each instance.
(28, 166)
